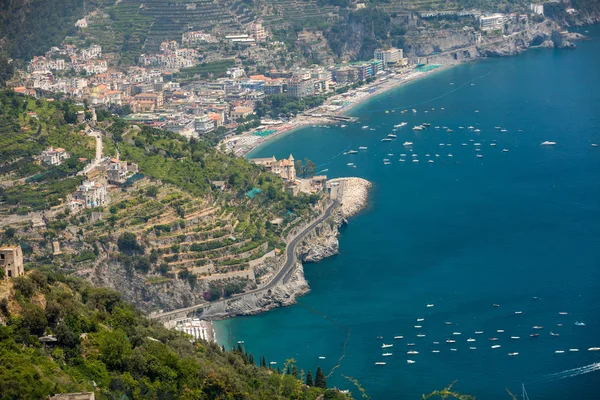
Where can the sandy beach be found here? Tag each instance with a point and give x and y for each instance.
(247, 142)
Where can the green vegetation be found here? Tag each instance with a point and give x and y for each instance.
(106, 346)
(277, 105)
(216, 69)
(32, 27)
(28, 126)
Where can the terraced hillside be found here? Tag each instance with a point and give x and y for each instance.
(187, 224)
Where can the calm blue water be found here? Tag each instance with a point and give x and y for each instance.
(461, 233)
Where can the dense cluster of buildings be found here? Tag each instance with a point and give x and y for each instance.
(202, 106)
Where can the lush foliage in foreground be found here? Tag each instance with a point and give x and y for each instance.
(105, 341)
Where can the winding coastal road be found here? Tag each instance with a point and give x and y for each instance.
(282, 275)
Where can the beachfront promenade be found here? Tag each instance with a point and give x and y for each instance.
(282, 276)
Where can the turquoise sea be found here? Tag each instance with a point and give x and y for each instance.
(520, 229)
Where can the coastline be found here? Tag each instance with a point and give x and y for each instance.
(354, 98)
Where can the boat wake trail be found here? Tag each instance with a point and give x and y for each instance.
(338, 325)
(407, 106)
(334, 157)
(570, 373)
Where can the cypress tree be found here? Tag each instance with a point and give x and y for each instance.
(263, 362)
(295, 371)
(251, 359)
(309, 379)
(288, 370)
(240, 349)
(320, 381)
(278, 370)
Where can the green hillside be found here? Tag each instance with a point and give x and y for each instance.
(106, 346)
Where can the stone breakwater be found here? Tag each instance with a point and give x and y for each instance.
(352, 193)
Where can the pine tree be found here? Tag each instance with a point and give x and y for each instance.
(320, 381)
(295, 371)
(309, 379)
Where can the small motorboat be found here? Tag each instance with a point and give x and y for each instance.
(579, 323)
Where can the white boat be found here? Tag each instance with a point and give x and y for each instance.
(386, 140)
(554, 334)
(472, 348)
(410, 344)
(387, 162)
(402, 160)
(559, 351)
(417, 128)
(400, 125)
(415, 161)
(493, 144)
(407, 143)
(343, 126)
(513, 354)
(493, 339)
(503, 130)
(391, 135)
(402, 155)
(321, 357)
(410, 361)
(573, 350)
(412, 352)
(505, 150)
(365, 127)
(470, 340)
(450, 341)
(435, 351)
(420, 319)
(398, 337)
(363, 148)
(371, 129)
(548, 143)
(450, 155)
(430, 161)
(477, 130)
(436, 342)
(421, 335)
(452, 349)
(352, 152)
(350, 164)
(594, 349)
(385, 346)
(273, 362)
(476, 144)
(538, 327)
(500, 331)
(478, 332)
(448, 323)
(379, 363)
(579, 323)
(479, 155)
(518, 312)
(386, 354)
(563, 313)
(418, 326)
(594, 144)
(496, 346)
(515, 337)
(456, 333)
(464, 144)
(413, 110)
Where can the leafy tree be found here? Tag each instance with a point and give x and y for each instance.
(128, 244)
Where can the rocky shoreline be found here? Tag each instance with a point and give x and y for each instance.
(322, 242)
